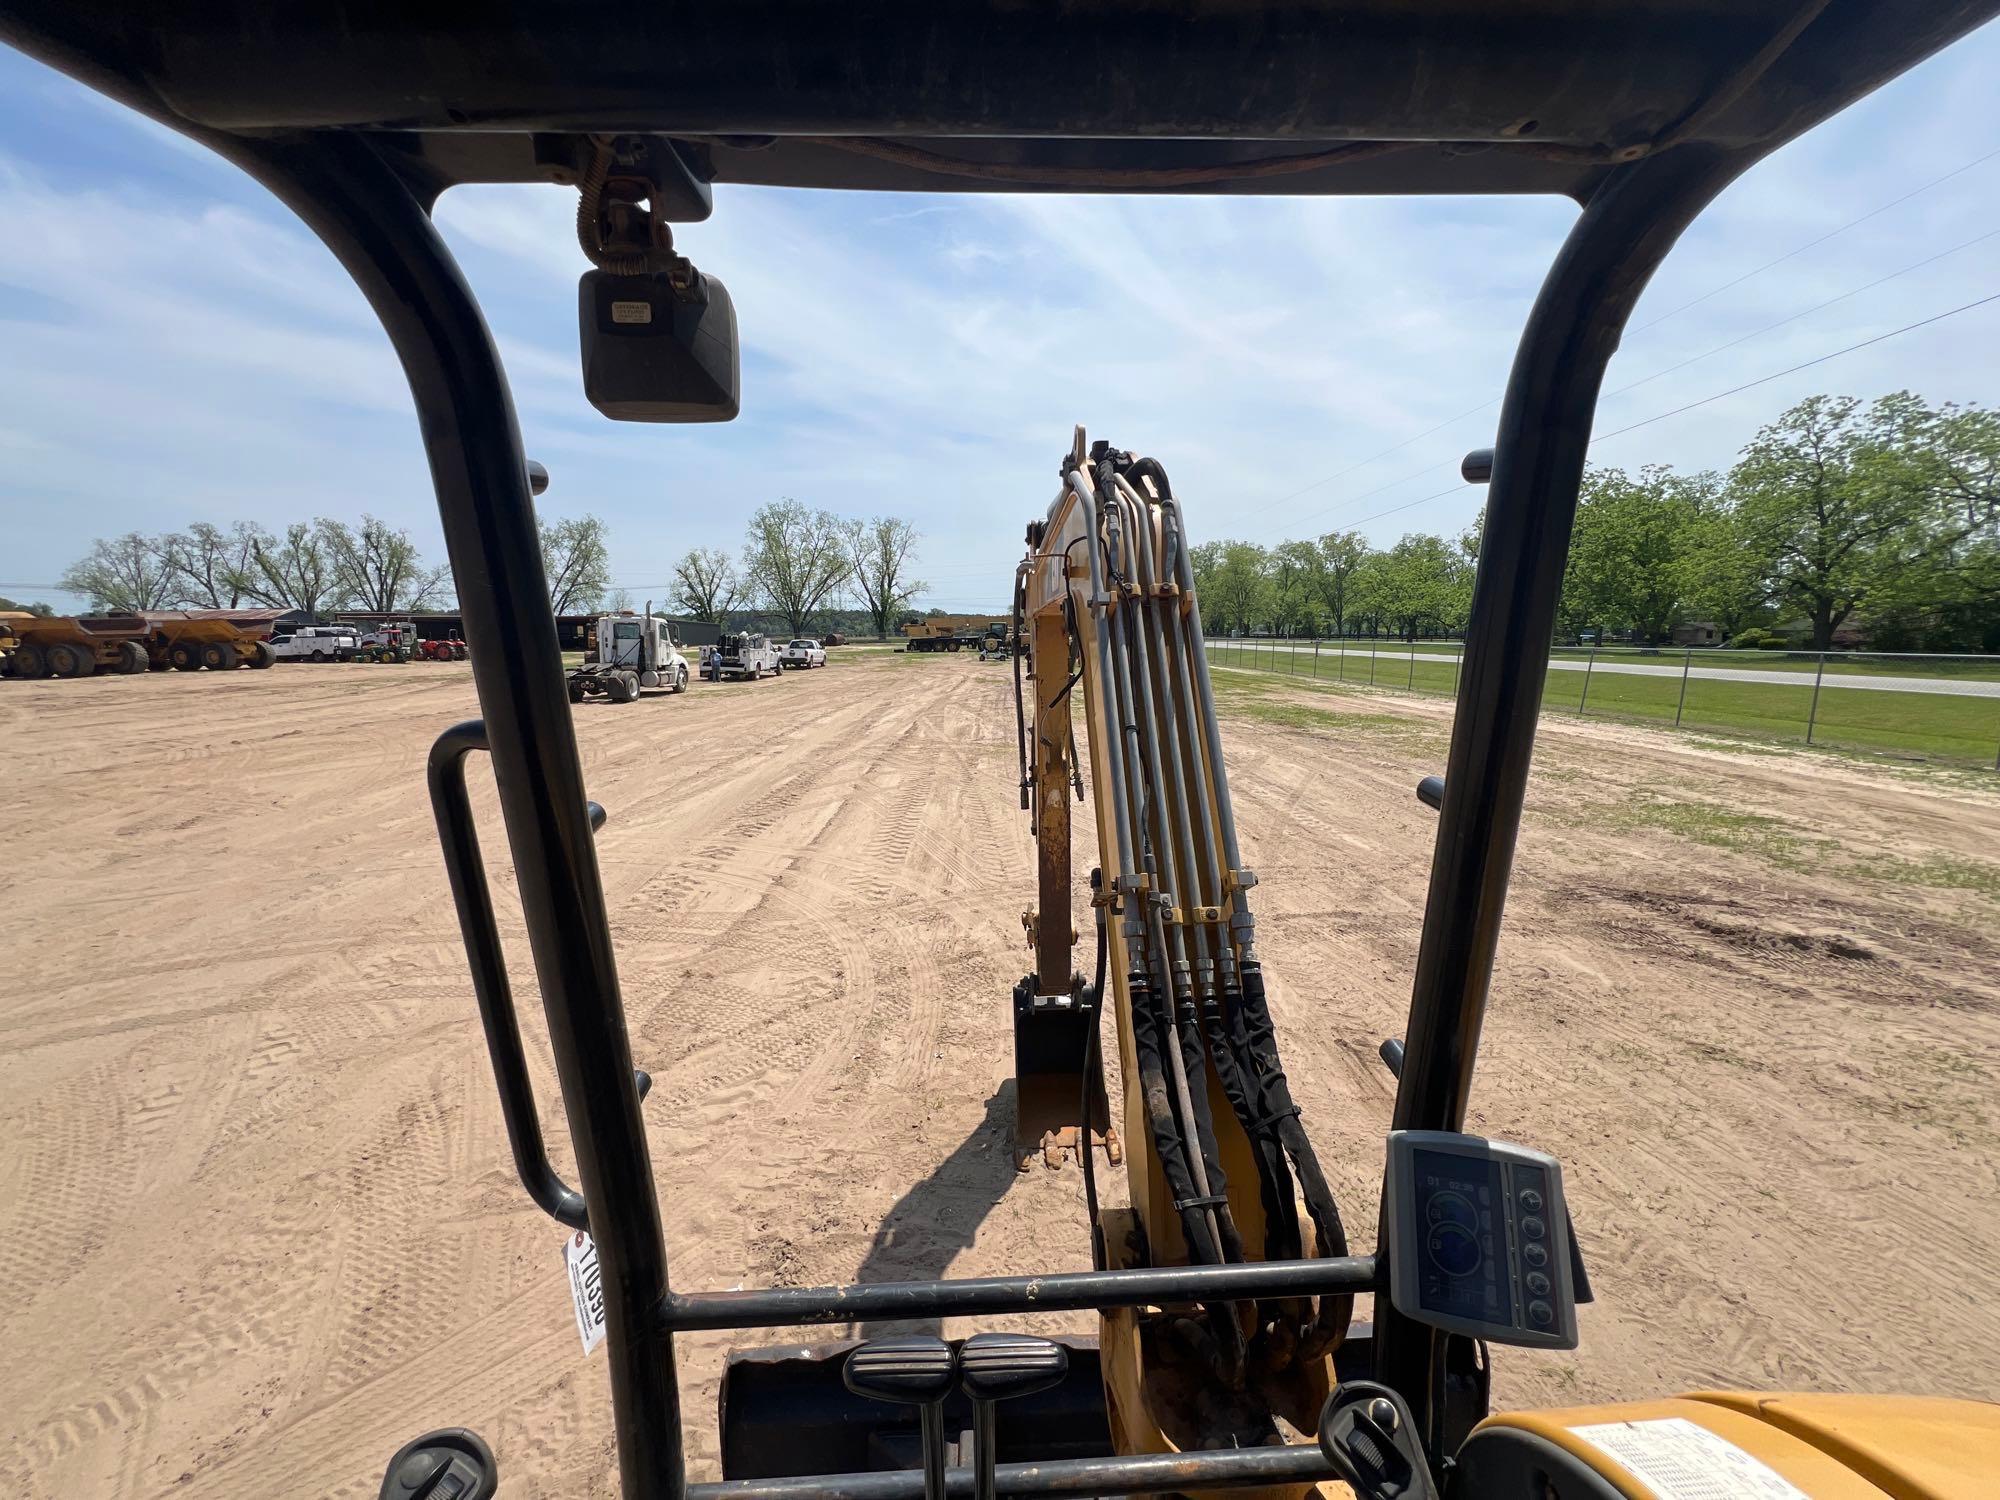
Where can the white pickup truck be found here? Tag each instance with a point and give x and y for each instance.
(803, 653)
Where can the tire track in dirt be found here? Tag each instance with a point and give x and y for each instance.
(814, 886)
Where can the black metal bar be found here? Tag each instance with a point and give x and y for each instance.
(474, 902)
(1624, 232)
(1151, 1473)
(381, 231)
(787, 1307)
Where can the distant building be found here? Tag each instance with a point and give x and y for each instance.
(1698, 633)
(571, 630)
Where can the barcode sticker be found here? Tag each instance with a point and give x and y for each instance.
(1681, 1460)
(586, 1288)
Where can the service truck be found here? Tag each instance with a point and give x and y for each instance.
(747, 654)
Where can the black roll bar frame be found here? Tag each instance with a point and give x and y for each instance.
(379, 226)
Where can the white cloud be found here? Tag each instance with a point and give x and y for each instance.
(178, 347)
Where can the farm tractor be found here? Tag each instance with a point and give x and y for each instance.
(446, 650)
(389, 641)
(1230, 1353)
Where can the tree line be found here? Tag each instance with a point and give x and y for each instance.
(801, 565)
(797, 563)
(313, 566)
(1839, 516)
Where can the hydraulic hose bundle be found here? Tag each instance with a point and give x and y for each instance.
(1194, 986)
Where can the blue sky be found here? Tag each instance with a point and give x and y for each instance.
(174, 347)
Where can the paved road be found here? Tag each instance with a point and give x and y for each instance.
(1955, 687)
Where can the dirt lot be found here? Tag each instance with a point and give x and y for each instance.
(258, 1223)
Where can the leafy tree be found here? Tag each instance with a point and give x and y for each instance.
(1726, 577)
(1423, 586)
(795, 559)
(1340, 553)
(131, 572)
(1294, 569)
(1845, 506)
(576, 556)
(293, 571)
(1236, 594)
(213, 568)
(1633, 551)
(379, 569)
(706, 584)
(42, 611)
(880, 552)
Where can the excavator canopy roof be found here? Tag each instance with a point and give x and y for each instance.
(1226, 96)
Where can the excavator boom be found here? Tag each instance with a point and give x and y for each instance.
(1217, 1161)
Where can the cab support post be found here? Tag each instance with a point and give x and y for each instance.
(1625, 231)
(381, 231)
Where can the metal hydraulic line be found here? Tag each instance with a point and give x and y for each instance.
(1237, 881)
(1159, 616)
(1170, 976)
(1129, 884)
(1229, 1053)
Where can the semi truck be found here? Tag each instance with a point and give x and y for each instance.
(629, 653)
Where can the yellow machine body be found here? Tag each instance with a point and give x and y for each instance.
(1822, 1447)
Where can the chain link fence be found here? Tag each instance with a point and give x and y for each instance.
(1931, 707)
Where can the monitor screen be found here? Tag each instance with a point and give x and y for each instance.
(1462, 1263)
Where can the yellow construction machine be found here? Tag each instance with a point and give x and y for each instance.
(1229, 1355)
(185, 640)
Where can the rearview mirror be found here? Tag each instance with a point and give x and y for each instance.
(657, 352)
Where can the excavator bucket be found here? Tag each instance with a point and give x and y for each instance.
(1058, 1077)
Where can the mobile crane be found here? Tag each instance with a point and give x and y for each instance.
(1227, 1357)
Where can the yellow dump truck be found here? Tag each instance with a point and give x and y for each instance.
(185, 640)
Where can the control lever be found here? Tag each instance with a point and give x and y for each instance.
(996, 1367)
(450, 1464)
(911, 1371)
(1367, 1433)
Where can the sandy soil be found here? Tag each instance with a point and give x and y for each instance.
(257, 1217)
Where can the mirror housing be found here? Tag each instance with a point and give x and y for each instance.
(657, 352)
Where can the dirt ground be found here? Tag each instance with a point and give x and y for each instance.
(258, 1223)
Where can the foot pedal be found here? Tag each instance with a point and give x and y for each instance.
(450, 1464)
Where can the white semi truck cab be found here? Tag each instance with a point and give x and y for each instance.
(629, 653)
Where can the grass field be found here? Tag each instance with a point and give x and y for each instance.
(1930, 725)
(1838, 663)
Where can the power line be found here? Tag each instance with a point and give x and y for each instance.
(1872, 213)
(1806, 365)
(1816, 307)
(1830, 234)
(1720, 395)
(1364, 463)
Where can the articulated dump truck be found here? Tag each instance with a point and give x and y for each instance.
(155, 640)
